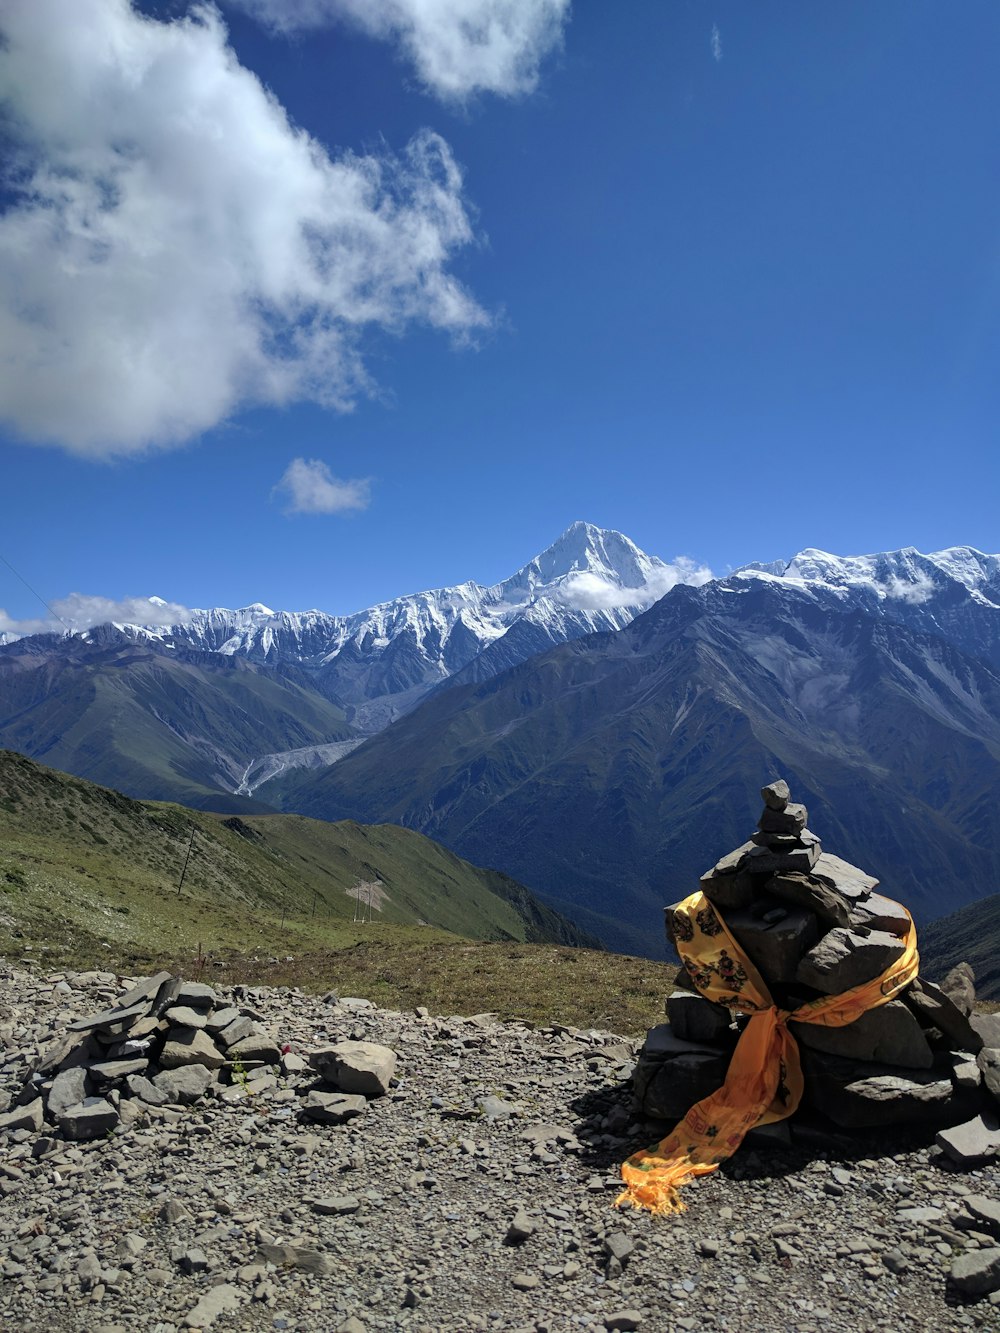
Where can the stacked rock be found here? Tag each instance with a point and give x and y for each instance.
(813, 925)
(165, 1042)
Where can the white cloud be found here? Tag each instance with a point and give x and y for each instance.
(457, 47)
(80, 611)
(177, 249)
(587, 591)
(313, 489)
(716, 41)
(916, 591)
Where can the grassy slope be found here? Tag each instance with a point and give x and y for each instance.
(89, 877)
(81, 866)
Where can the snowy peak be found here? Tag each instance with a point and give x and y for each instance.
(586, 549)
(906, 576)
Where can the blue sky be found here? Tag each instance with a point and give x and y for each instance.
(726, 278)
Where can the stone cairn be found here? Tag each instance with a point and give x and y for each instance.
(171, 1043)
(813, 925)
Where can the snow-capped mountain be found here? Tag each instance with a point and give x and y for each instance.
(952, 594)
(379, 663)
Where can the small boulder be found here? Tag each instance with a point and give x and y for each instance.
(185, 1084)
(973, 1141)
(356, 1066)
(69, 1088)
(191, 1046)
(332, 1108)
(90, 1120)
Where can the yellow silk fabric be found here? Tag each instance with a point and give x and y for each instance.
(764, 1082)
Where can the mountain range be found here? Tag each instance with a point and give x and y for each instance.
(596, 726)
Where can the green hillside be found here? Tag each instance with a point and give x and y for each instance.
(86, 874)
(180, 727)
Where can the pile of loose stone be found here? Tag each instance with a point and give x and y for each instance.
(476, 1195)
(169, 1042)
(812, 925)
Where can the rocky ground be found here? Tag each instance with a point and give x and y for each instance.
(477, 1194)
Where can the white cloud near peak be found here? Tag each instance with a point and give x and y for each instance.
(457, 47)
(716, 43)
(589, 591)
(80, 611)
(175, 249)
(311, 488)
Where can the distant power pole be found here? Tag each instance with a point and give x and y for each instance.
(186, 860)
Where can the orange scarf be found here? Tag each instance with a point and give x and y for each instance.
(764, 1082)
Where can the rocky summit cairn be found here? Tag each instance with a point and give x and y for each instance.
(814, 926)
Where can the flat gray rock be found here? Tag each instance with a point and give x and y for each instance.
(216, 1301)
(332, 1108)
(693, 1018)
(109, 1018)
(69, 1088)
(109, 1071)
(889, 1035)
(356, 1066)
(94, 1118)
(857, 1094)
(878, 913)
(813, 894)
(28, 1117)
(184, 1016)
(976, 1273)
(144, 990)
(191, 1046)
(299, 1256)
(255, 1049)
(848, 880)
(844, 959)
(931, 1004)
(185, 1084)
(972, 1141)
(196, 994)
(775, 947)
(146, 1091)
(776, 795)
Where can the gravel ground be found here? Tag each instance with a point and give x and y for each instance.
(477, 1195)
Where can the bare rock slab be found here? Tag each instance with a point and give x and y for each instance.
(775, 948)
(356, 1066)
(972, 1141)
(844, 959)
(23, 1117)
(889, 1034)
(257, 1049)
(299, 1256)
(977, 1273)
(693, 1018)
(934, 1007)
(848, 880)
(191, 1046)
(813, 894)
(857, 1094)
(69, 1088)
(216, 1301)
(185, 1084)
(671, 1074)
(332, 1108)
(91, 1120)
(879, 913)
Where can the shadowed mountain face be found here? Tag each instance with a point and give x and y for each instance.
(609, 772)
(970, 935)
